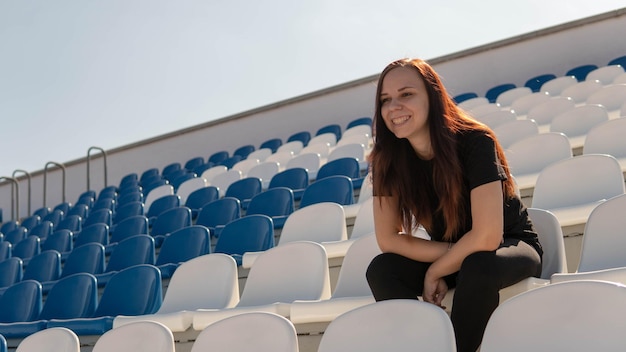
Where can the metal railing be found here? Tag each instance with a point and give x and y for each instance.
(104, 155)
(15, 197)
(29, 199)
(45, 180)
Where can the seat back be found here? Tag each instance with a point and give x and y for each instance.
(578, 121)
(131, 251)
(187, 187)
(30, 222)
(55, 339)
(131, 226)
(15, 235)
(251, 233)
(72, 223)
(607, 138)
(137, 336)
(364, 221)
(223, 180)
(304, 224)
(580, 91)
(271, 144)
(294, 271)
(325, 138)
(21, 302)
(156, 193)
(265, 171)
(276, 201)
(351, 281)
(261, 154)
(27, 247)
(162, 204)
(245, 165)
(343, 166)
(581, 72)
(294, 178)
(532, 154)
(544, 113)
(348, 150)
(208, 281)
(497, 118)
(74, 296)
(551, 239)
(415, 326)
(42, 230)
(132, 291)
(87, 258)
(603, 239)
(580, 180)
(11, 271)
(257, 331)
(303, 137)
(524, 315)
(366, 120)
(309, 161)
(198, 198)
(60, 241)
(98, 233)
(605, 74)
(244, 189)
(511, 132)
(45, 266)
(337, 189)
(171, 220)
(127, 210)
(184, 244)
(611, 97)
(219, 212)
(331, 128)
(5, 250)
(104, 216)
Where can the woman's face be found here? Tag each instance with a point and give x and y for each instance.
(404, 104)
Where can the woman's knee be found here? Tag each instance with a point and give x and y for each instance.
(479, 268)
(380, 267)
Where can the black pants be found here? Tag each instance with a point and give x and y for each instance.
(478, 282)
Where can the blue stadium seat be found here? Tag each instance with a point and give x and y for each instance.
(21, 302)
(127, 210)
(98, 233)
(148, 173)
(170, 168)
(3, 344)
(81, 210)
(131, 226)
(181, 246)
(162, 204)
(168, 222)
(618, 61)
(132, 251)
(5, 250)
(536, 82)
(218, 157)
(296, 179)
(72, 223)
(231, 161)
(54, 217)
(194, 162)
(61, 241)
(42, 212)
(215, 215)
(302, 136)
(132, 291)
(277, 203)
(129, 197)
(45, 266)
(581, 72)
(9, 226)
(42, 230)
(88, 258)
(244, 151)
(198, 198)
(343, 166)
(66, 206)
(464, 96)
(332, 128)
(272, 144)
(337, 189)
(104, 216)
(107, 192)
(15, 235)
(366, 120)
(251, 233)
(128, 179)
(11, 271)
(27, 248)
(72, 297)
(244, 190)
(30, 222)
(493, 92)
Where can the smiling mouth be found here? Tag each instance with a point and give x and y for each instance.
(400, 120)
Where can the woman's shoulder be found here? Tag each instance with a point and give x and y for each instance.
(472, 137)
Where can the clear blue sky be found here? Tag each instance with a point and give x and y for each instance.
(81, 73)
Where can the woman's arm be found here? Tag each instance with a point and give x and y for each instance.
(486, 233)
(388, 226)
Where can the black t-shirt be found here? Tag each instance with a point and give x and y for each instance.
(480, 165)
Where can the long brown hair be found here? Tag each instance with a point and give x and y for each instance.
(393, 160)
